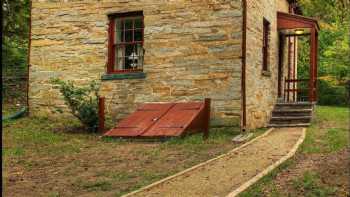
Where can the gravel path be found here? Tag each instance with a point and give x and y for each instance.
(221, 176)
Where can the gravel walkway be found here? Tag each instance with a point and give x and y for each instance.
(221, 176)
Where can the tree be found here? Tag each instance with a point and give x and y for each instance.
(15, 34)
(334, 51)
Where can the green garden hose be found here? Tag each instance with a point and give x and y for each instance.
(16, 115)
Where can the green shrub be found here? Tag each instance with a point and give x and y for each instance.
(329, 94)
(82, 101)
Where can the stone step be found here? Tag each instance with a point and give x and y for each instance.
(297, 114)
(293, 106)
(292, 110)
(289, 125)
(289, 121)
(291, 118)
(278, 114)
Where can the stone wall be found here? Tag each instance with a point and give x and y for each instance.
(193, 50)
(261, 90)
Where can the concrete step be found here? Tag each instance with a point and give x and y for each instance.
(289, 125)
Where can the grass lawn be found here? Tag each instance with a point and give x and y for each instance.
(55, 157)
(321, 166)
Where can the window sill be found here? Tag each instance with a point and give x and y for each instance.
(266, 73)
(120, 76)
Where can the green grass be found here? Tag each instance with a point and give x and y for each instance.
(9, 109)
(38, 135)
(310, 183)
(94, 185)
(327, 134)
(266, 182)
(16, 152)
(337, 138)
(113, 166)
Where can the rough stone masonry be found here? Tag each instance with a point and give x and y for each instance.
(192, 51)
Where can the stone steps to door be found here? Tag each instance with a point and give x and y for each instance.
(291, 118)
(290, 125)
(291, 115)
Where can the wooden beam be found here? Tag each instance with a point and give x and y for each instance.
(312, 65)
(292, 21)
(207, 118)
(101, 114)
(316, 66)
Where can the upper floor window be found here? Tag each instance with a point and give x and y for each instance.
(125, 50)
(265, 48)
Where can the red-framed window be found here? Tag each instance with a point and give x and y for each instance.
(125, 42)
(265, 48)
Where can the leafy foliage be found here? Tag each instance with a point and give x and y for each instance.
(82, 101)
(15, 33)
(334, 50)
(332, 94)
(14, 49)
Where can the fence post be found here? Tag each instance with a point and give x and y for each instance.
(101, 114)
(206, 118)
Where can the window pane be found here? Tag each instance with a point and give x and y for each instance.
(119, 24)
(119, 36)
(128, 24)
(119, 63)
(139, 50)
(138, 35)
(129, 57)
(138, 23)
(128, 36)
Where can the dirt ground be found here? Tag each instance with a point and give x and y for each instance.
(222, 176)
(44, 158)
(322, 165)
(333, 168)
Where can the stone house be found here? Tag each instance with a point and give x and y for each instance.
(166, 50)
